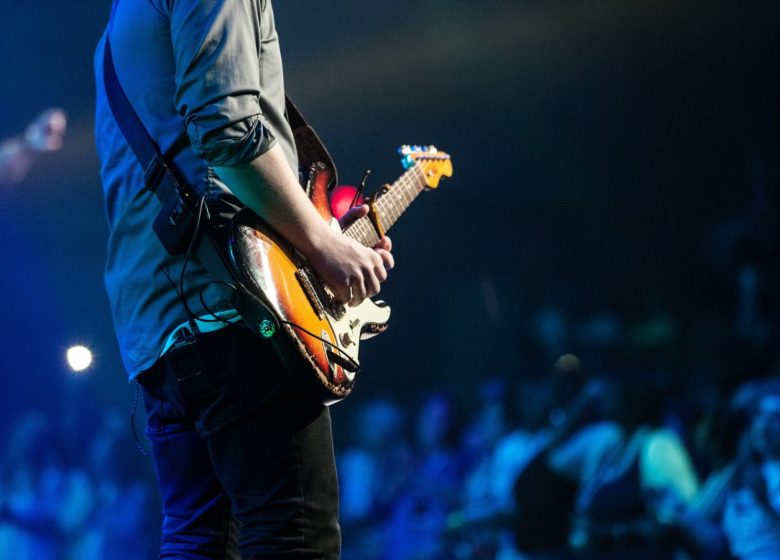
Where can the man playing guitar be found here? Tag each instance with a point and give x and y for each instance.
(244, 461)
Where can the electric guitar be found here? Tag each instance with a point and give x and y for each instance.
(285, 301)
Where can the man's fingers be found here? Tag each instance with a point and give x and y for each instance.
(353, 214)
(388, 261)
(384, 243)
(383, 248)
(365, 280)
(372, 286)
(357, 293)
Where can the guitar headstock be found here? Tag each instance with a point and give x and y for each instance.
(434, 163)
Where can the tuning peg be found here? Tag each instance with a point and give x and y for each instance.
(410, 153)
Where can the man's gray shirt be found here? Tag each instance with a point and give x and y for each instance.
(207, 69)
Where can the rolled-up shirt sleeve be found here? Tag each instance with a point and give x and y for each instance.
(217, 45)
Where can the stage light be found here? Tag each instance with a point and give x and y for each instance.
(79, 357)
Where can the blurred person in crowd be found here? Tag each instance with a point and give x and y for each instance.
(501, 439)
(472, 528)
(751, 514)
(632, 502)
(490, 422)
(716, 437)
(574, 442)
(371, 474)
(44, 134)
(724, 518)
(430, 493)
(118, 526)
(43, 501)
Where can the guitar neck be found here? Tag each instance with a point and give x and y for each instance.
(389, 206)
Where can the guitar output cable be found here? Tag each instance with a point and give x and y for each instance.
(335, 349)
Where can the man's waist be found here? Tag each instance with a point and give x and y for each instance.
(203, 324)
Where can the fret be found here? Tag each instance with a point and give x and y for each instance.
(363, 232)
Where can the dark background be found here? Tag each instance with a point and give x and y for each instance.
(599, 148)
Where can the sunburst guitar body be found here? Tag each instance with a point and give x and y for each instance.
(284, 300)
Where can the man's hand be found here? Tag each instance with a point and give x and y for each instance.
(353, 272)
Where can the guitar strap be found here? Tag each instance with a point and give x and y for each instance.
(308, 144)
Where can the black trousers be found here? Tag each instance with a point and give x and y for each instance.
(243, 460)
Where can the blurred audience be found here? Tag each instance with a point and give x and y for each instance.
(59, 503)
(372, 472)
(431, 491)
(43, 498)
(645, 433)
(121, 499)
(751, 513)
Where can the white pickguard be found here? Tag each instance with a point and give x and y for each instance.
(349, 330)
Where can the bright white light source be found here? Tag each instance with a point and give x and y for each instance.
(79, 357)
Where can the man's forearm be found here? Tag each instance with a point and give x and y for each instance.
(269, 187)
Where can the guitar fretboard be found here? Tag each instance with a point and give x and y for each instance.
(389, 205)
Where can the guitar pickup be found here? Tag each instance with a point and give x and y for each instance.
(303, 278)
(318, 294)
